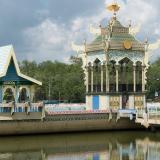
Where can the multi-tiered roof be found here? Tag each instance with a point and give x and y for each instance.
(114, 41)
(115, 37)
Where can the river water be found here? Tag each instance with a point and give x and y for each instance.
(129, 145)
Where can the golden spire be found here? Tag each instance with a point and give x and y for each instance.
(113, 7)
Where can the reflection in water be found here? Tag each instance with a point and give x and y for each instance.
(82, 146)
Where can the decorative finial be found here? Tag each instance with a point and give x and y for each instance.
(146, 44)
(114, 7)
(146, 40)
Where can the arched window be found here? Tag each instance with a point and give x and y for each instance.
(8, 95)
(97, 76)
(126, 75)
(23, 96)
(138, 76)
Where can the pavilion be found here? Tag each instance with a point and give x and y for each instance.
(14, 86)
(115, 65)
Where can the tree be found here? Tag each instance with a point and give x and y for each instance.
(60, 80)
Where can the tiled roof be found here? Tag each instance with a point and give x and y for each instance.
(115, 34)
(6, 54)
(116, 23)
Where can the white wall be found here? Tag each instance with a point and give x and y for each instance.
(88, 102)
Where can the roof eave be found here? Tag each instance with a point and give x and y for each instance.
(30, 79)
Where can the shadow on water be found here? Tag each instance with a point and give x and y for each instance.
(127, 145)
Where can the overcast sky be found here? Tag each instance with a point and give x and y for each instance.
(44, 29)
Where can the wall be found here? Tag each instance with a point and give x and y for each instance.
(115, 102)
(66, 123)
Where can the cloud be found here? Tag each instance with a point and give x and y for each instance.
(51, 37)
(47, 41)
(52, 40)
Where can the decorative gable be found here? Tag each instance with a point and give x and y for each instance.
(9, 68)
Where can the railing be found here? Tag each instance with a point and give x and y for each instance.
(151, 112)
(148, 116)
(49, 112)
(21, 107)
(140, 112)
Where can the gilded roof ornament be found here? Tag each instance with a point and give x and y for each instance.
(113, 7)
(127, 44)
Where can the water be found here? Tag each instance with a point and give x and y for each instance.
(82, 146)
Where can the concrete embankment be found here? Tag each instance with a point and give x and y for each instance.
(66, 123)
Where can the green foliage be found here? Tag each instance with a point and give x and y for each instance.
(153, 79)
(65, 81)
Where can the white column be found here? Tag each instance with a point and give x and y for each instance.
(32, 94)
(107, 79)
(143, 79)
(134, 78)
(120, 102)
(101, 78)
(87, 79)
(17, 94)
(117, 79)
(88, 102)
(92, 79)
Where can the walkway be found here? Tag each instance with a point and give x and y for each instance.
(148, 116)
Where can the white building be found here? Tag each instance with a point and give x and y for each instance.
(115, 66)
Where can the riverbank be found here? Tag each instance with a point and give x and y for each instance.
(82, 146)
(68, 123)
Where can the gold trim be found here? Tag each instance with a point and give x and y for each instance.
(127, 44)
(114, 7)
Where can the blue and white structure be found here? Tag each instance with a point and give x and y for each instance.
(115, 65)
(14, 86)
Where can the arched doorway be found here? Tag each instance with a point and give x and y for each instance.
(126, 75)
(112, 76)
(138, 76)
(23, 95)
(125, 80)
(8, 95)
(97, 76)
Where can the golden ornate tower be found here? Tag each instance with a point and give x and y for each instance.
(115, 67)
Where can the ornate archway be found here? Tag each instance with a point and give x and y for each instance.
(112, 76)
(97, 75)
(125, 75)
(23, 94)
(8, 95)
(138, 76)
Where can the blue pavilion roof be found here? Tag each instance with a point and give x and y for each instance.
(6, 55)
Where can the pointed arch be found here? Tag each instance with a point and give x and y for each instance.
(126, 75)
(8, 94)
(138, 76)
(112, 75)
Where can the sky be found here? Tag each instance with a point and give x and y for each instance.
(43, 30)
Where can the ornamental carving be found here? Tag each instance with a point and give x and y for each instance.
(96, 55)
(114, 102)
(138, 101)
(134, 56)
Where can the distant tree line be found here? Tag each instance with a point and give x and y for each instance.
(61, 81)
(153, 80)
